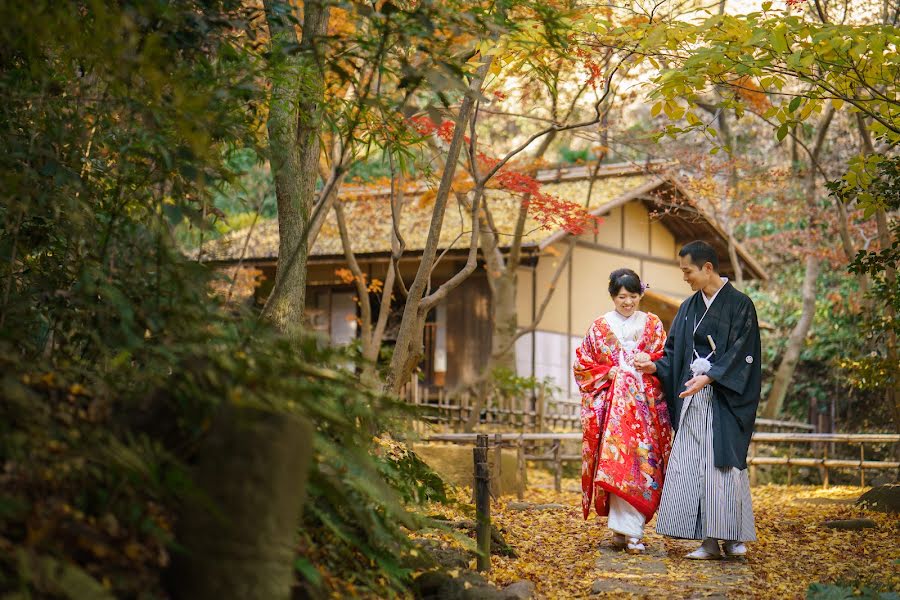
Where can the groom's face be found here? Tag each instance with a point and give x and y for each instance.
(694, 276)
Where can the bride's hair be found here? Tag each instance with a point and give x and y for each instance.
(624, 278)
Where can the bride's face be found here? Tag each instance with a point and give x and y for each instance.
(626, 302)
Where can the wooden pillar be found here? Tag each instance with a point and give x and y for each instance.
(789, 468)
(862, 471)
(496, 475)
(557, 465)
(753, 473)
(482, 503)
(414, 388)
(466, 401)
(825, 478)
(540, 410)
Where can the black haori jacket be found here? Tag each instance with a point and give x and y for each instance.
(736, 373)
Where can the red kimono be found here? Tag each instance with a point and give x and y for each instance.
(627, 434)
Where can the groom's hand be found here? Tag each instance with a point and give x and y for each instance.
(694, 385)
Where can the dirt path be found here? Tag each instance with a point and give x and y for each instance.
(568, 557)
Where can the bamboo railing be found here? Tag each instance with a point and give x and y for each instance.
(537, 415)
(826, 441)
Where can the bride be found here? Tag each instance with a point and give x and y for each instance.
(627, 435)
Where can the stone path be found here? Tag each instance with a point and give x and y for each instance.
(651, 574)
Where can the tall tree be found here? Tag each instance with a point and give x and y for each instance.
(295, 117)
(808, 292)
(262, 481)
(811, 62)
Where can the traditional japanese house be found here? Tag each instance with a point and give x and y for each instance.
(646, 217)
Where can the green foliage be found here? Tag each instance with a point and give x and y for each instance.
(568, 155)
(505, 383)
(873, 181)
(247, 195)
(824, 591)
(123, 123)
(770, 53)
(876, 369)
(838, 337)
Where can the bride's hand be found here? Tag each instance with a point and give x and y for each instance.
(645, 367)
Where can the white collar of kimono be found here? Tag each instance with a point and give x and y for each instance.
(709, 301)
(627, 329)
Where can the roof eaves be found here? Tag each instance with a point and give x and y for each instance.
(604, 208)
(751, 262)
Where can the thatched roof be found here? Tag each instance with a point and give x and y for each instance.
(369, 224)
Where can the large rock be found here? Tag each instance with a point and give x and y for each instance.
(851, 524)
(441, 553)
(499, 545)
(884, 498)
(520, 590)
(465, 585)
(455, 464)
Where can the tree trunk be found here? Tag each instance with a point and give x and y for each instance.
(732, 193)
(239, 536)
(239, 533)
(504, 315)
(785, 373)
(890, 394)
(502, 282)
(294, 121)
(733, 257)
(504, 329)
(408, 348)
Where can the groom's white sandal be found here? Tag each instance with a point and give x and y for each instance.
(708, 550)
(734, 549)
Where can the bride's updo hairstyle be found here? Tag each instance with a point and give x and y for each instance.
(624, 278)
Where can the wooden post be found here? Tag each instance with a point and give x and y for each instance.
(789, 469)
(824, 469)
(466, 401)
(483, 503)
(414, 385)
(539, 409)
(862, 471)
(753, 473)
(496, 475)
(557, 465)
(521, 468)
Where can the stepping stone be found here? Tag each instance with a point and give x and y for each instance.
(533, 506)
(852, 524)
(617, 586)
(520, 590)
(825, 500)
(619, 561)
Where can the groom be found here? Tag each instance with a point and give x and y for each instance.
(710, 373)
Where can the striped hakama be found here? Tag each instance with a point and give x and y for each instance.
(700, 500)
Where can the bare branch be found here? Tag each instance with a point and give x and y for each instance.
(358, 276)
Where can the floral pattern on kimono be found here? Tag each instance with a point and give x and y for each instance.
(627, 435)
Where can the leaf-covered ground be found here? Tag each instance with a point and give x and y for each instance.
(567, 557)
